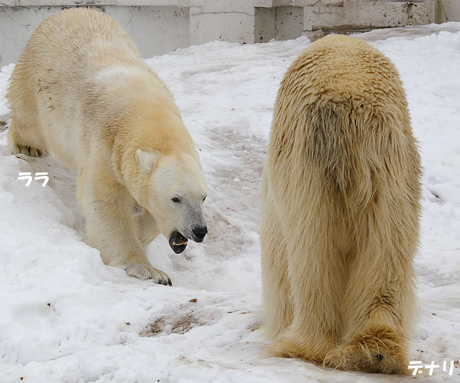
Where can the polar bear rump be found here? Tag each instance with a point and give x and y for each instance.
(340, 211)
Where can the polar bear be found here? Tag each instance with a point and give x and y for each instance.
(81, 91)
(340, 211)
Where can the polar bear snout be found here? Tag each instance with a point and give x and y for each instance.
(199, 232)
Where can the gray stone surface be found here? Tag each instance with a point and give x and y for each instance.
(160, 26)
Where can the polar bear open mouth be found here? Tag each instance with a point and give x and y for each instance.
(177, 242)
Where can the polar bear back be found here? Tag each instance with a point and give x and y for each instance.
(79, 70)
(336, 68)
(342, 105)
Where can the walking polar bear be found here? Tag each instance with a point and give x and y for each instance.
(81, 90)
(340, 211)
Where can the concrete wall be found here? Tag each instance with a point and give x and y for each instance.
(160, 26)
(448, 10)
(155, 30)
(156, 26)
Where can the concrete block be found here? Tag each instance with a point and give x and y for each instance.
(219, 6)
(322, 17)
(264, 25)
(448, 10)
(59, 3)
(289, 23)
(280, 23)
(236, 27)
(263, 3)
(7, 3)
(318, 3)
(365, 14)
(155, 30)
(373, 14)
(142, 3)
(282, 3)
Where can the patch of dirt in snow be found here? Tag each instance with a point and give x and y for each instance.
(172, 325)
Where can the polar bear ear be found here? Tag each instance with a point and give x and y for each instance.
(147, 160)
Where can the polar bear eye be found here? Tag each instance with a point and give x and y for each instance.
(204, 198)
(176, 200)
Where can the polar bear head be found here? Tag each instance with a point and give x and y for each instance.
(173, 192)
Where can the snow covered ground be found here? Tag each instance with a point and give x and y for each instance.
(66, 317)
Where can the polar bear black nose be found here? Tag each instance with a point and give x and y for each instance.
(199, 232)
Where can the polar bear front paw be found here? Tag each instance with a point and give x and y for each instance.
(145, 273)
(28, 150)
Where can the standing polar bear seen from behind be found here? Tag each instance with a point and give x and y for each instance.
(340, 211)
(81, 90)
